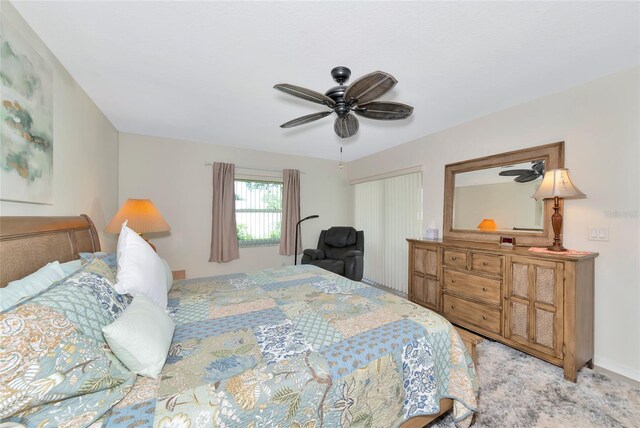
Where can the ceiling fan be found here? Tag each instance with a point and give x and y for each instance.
(525, 175)
(358, 98)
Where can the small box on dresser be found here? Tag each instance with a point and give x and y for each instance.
(539, 303)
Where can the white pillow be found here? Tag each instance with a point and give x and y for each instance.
(140, 270)
(30, 285)
(141, 336)
(168, 274)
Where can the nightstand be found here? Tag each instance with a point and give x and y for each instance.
(179, 274)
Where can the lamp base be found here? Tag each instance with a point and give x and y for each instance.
(147, 241)
(556, 222)
(557, 248)
(154, 247)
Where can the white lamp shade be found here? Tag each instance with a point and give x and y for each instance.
(557, 183)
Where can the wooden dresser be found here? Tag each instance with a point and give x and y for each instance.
(539, 303)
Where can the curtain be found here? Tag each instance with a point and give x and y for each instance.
(290, 212)
(389, 211)
(224, 238)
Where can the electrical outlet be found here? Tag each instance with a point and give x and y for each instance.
(598, 234)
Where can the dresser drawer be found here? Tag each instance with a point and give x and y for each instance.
(478, 287)
(472, 313)
(487, 263)
(455, 258)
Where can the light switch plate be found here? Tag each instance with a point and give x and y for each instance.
(598, 234)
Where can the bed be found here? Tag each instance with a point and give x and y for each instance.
(294, 346)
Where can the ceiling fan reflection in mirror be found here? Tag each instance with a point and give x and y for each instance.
(358, 98)
(525, 175)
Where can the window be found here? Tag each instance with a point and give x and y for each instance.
(258, 212)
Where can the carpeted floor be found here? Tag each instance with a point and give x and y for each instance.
(517, 390)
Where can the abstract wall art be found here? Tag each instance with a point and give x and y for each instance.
(26, 121)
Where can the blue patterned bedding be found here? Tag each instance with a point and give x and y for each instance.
(299, 347)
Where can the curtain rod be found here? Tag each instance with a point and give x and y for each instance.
(253, 169)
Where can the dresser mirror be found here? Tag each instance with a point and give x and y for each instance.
(489, 197)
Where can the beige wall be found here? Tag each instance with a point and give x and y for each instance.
(85, 154)
(599, 123)
(173, 175)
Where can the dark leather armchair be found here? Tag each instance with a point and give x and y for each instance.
(340, 250)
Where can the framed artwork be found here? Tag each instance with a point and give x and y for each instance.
(26, 121)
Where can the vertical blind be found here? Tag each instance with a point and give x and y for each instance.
(388, 211)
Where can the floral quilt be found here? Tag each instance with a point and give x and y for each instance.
(300, 347)
(55, 367)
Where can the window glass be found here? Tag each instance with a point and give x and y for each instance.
(258, 212)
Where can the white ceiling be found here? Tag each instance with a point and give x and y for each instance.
(204, 71)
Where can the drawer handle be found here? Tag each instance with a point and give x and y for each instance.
(453, 306)
(484, 317)
(453, 258)
(485, 264)
(453, 280)
(484, 288)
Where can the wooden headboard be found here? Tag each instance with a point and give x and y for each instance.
(28, 243)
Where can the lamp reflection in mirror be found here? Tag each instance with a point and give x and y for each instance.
(143, 217)
(557, 184)
(487, 224)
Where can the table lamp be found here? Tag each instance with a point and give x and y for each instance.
(557, 184)
(142, 216)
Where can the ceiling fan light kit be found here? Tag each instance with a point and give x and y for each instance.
(358, 98)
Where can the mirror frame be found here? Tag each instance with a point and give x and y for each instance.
(553, 155)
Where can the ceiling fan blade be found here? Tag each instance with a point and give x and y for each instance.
(346, 126)
(514, 172)
(524, 178)
(305, 94)
(305, 119)
(369, 87)
(382, 110)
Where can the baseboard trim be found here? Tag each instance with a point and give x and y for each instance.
(616, 375)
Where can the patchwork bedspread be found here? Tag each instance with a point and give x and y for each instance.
(299, 347)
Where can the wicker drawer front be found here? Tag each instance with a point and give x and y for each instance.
(455, 259)
(487, 263)
(472, 313)
(485, 289)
